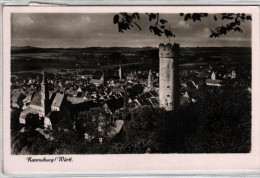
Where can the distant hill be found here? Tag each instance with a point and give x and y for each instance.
(30, 49)
(32, 58)
(192, 50)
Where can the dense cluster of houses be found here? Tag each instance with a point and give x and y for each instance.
(86, 93)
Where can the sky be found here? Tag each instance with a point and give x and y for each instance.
(78, 30)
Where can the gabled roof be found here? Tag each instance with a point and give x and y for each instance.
(213, 81)
(17, 96)
(36, 100)
(118, 125)
(96, 81)
(58, 100)
(75, 100)
(71, 92)
(27, 111)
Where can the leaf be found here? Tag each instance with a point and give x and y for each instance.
(181, 14)
(136, 15)
(168, 33)
(163, 21)
(152, 16)
(238, 29)
(187, 17)
(248, 17)
(156, 30)
(196, 17)
(215, 18)
(151, 28)
(116, 19)
(213, 34)
(162, 27)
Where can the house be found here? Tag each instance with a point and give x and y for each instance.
(57, 102)
(213, 81)
(17, 100)
(77, 100)
(233, 74)
(97, 82)
(36, 101)
(22, 118)
(185, 99)
(114, 129)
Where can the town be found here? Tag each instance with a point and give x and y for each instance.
(98, 105)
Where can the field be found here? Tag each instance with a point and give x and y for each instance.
(35, 59)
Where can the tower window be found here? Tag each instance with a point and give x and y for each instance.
(168, 86)
(168, 95)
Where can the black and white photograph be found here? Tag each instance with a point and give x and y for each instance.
(130, 89)
(130, 83)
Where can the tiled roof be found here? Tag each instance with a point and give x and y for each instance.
(16, 96)
(58, 100)
(75, 100)
(96, 81)
(213, 81)
(27, 111)
(36, 100)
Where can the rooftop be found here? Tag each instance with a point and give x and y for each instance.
(58, 100)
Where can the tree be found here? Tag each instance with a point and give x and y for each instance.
(32, 121)
(127, 21)
(15, 113)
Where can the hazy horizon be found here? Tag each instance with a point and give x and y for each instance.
(132, 47)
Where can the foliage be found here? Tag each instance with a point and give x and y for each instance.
(127, 21)
(224, 125)
(32, 121)
(15, 113)
(30, 142)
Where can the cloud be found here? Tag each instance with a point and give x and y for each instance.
(88, 29)
(86, 19)
(183, 24)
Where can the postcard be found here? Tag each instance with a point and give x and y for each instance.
(130, 89)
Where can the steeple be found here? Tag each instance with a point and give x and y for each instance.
(44, 95)
(150, 79)
(120, 71)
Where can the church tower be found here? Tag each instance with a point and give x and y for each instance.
(150, 80)
(169, 76)
(44, 96)
(120, 72)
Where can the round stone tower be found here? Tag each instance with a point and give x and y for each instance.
(169, 76)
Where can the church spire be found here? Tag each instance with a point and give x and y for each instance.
(44, 95)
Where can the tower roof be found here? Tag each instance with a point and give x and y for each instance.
(169, 50)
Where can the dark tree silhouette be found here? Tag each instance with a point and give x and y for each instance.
(127, 21)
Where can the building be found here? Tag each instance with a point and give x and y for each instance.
(45, 103)
(99, 81)
(17, 100)
(169, 76)
(150, 79)
(150, 86)
(42, 104)
(233, 74)
(120, 72)
(57, 102)
(213, 81)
